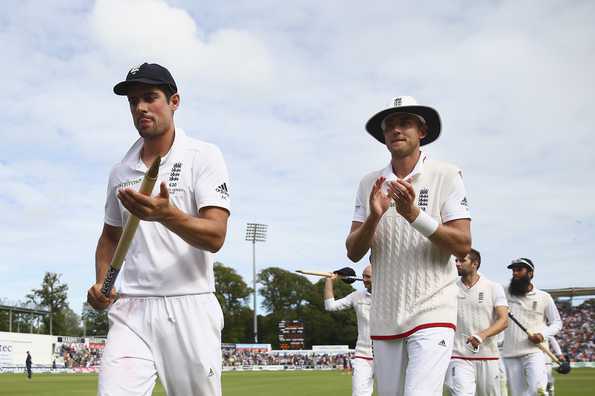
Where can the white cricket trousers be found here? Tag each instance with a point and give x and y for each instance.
(362, 381)
(550, 387)
(526, 374)
(473, 377)
(177, 338)
(503, 379)
(415, 365)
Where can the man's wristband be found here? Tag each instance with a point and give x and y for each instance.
(478, 338)
(425, 224)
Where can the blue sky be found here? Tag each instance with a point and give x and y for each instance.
(285, 91)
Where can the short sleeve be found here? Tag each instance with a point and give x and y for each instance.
(499, 296)
(359, 212)
(212, 186)
(113, 213)
(456, 205)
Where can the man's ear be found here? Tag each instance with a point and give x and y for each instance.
(174, 101)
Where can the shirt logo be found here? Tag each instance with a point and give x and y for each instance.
(174, 174)
(535, 305)
(442, 343)
(211, 373)
(222, 189)
(464, 202)
(422, 200)
(480, 297)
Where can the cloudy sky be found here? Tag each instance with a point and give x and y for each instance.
(284, 89)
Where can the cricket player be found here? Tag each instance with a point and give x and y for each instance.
(535, 309)
(556, 350)
(167, 321)
(413, 215)
(362, 381)
(482, 314)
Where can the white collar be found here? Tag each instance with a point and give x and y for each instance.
(389, 175)
(133, 159)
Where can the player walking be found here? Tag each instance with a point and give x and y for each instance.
(362, 382)
(167, 321)
(482, 313)
(535, 309)
(413, 215)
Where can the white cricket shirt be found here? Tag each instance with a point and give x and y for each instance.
(538, 313)
(361, 301)
(159, 262)
(476, 311)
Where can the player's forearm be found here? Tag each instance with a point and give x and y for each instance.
(359, 240)
(201, 233)
(454, 239)
(328, 289)
(555, 347)
(103, 256)
(497, 327)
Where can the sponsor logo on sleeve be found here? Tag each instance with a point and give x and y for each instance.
(222, 189)
(465, 203)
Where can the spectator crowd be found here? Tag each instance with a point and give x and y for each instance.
(301, 359)
(77, 355)
(577, 337)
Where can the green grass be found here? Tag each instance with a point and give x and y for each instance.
(579, 382)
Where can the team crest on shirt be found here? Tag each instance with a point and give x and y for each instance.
(535, 305)
(174, 175)
(422, 200)
(481, 297)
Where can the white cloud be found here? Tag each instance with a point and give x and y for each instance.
(152, 30)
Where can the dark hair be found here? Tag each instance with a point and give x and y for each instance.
(475, 257)
(167, 91)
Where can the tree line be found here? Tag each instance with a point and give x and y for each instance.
(284, 296)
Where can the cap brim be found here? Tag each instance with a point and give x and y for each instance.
(123, 87)
(374, 125)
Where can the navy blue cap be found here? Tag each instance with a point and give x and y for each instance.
(147, 73)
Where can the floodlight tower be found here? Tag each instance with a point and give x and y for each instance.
(255, 233)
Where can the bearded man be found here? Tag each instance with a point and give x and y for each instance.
(535, 309)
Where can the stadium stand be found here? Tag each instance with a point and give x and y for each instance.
(577, 338)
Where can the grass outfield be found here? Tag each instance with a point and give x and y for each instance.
(579, 382)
